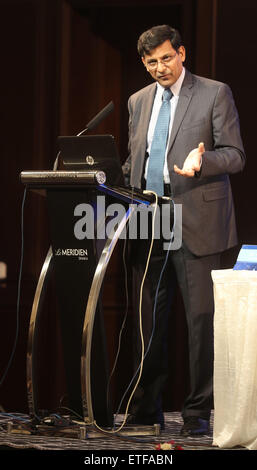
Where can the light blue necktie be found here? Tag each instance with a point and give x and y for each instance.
(154, 180)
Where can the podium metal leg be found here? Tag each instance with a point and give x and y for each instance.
(90, 316)
(88, 326)
(35, 314)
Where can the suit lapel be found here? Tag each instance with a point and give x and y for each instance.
(147, 105)
(185, 96)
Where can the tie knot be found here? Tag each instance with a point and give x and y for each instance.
(167, 94)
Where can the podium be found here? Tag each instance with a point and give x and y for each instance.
(79, 264)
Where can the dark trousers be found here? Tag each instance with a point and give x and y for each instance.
(193, 276)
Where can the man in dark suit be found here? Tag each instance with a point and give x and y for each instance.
(203, 148)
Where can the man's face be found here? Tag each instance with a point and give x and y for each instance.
(164, 63)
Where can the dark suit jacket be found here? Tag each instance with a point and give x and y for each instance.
(205, 113)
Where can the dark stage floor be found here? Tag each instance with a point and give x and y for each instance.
(14, 434)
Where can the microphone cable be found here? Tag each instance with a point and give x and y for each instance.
(18, 291)
(143, 353)
(155, 305)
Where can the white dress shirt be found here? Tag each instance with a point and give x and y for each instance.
(175, 88)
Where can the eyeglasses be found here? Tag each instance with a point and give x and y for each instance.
(153, 64)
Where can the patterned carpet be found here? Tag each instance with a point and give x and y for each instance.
(16, 433)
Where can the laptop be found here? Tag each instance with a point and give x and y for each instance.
(91, 152)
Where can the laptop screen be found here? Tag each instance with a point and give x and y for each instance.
(91, 152)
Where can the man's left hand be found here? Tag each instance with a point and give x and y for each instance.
(192, 163)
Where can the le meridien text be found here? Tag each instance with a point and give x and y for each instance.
(100, 221)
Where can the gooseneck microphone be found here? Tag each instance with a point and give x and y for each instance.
(93, 123)
(98, 118)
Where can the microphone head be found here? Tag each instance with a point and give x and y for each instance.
(100, 116)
